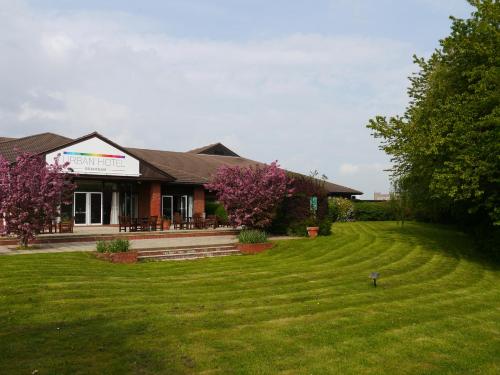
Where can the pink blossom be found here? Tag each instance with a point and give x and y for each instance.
(251, 195)
(31, 192)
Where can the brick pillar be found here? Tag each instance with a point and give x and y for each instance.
(199, 200)
(144, 197)
(155, 199)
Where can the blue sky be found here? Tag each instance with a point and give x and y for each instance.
(295, 81)
(420, 22)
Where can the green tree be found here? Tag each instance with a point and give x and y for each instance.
(445, 148)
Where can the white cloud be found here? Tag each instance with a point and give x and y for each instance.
(28, 113)
(348, 168)
(57, 46)
(302, 99)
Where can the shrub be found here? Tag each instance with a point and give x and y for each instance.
(333, 209)
(252, 236)
(115, 246)
(211, 206)
(217, 209)
(299, 228)
(119, 245)
(325, 227)
(221, 214)
(102, 247)
(340, 209)
(374, 211)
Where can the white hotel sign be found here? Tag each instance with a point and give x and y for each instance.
(96, 157)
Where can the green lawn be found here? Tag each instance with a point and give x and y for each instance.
(305, 307)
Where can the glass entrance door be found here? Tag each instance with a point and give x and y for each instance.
(95, 208)
(80, 208)
(88, 208)
(129, 204)
(167, 206)
(184, 207)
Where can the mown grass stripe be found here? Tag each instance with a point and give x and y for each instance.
(306, 306)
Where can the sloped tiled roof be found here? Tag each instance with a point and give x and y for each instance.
(4, 139)
(192, 167)
(36, 144)
(187, 167)
(334, 188)
(199, 168)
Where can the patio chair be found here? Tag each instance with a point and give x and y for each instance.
(211, 221)
(179, 222)
(66, 226)
(143, 224)
(49, 227)
(198, 221)
(123, 223)
(222, 222)
(133, 224)
(153, 222)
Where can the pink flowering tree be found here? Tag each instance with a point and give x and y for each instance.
(31, 194)
(251, 195)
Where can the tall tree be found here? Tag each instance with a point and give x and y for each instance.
(31, 193)
(446, 146)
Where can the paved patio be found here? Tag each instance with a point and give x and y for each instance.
(105, 229)
(66, 247)
(135, 244)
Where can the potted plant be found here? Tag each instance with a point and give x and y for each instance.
(166, 223)
(312, 231)
(313, 228)
(253, 241)
(116, 251)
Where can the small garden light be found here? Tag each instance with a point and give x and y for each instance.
(374, 276)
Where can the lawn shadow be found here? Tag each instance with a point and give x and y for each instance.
(89, 346)
(440, 237)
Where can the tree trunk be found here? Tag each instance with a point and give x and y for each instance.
(23, 241)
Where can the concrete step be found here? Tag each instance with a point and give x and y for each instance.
(184, 249)
(185, 253)
(190, 256)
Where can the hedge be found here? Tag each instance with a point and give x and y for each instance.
(374, 211)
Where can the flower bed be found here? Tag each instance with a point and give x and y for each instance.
(253, 248)
(127, 257)
(116, 251)
(253, 241)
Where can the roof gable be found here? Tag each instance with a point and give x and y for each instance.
(214, 149)
(94, 154)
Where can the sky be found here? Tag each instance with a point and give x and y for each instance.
(288, 80)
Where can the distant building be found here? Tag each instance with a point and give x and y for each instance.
(381, 196)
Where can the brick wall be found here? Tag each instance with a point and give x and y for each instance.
(155, 199)
(144, 192)
(199, 200)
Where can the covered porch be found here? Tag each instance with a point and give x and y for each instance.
(134, 205)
